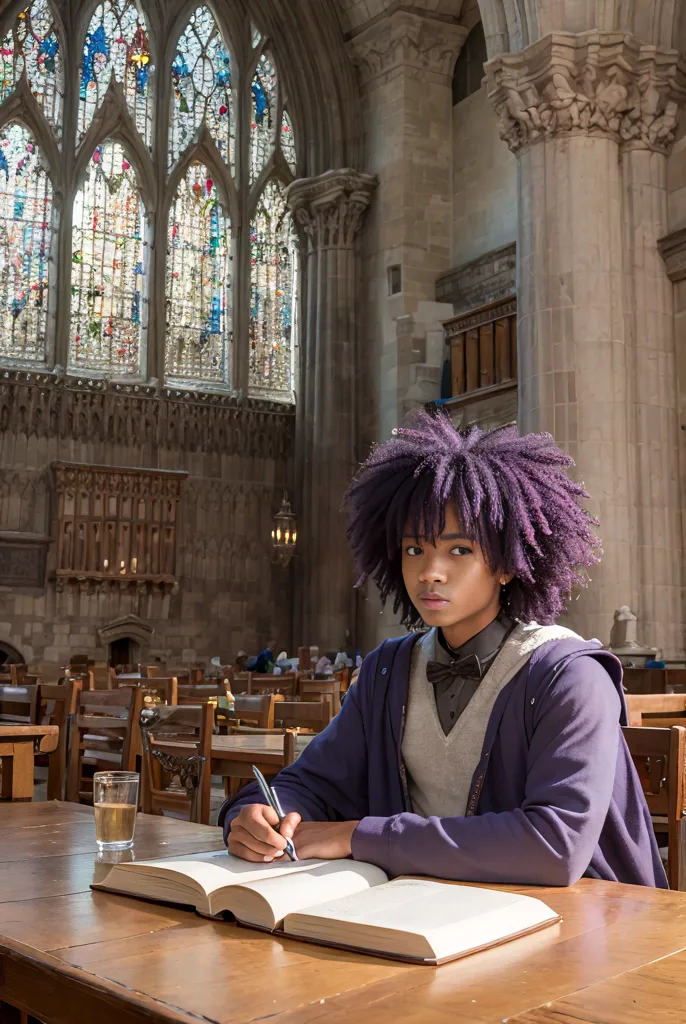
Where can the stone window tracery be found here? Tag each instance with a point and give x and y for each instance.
(167, 208)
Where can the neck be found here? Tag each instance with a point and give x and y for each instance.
(460, 632)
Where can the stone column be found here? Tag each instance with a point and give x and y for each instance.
(405, 57)
(328, 212)
(565, 106)
(647, 137)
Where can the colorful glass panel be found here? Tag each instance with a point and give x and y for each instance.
(263, 115)
(32, 44)
(109, 268)
(198, 283)
(26, 219)
(272, 296)
(288, 141)
(117, 44)
(201, 81)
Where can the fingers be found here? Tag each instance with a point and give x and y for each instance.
(289, 824)
(252, 831)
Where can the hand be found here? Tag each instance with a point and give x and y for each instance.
(254, 836)
(321, 840)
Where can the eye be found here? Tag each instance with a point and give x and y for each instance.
(461, 550)
(413, 550)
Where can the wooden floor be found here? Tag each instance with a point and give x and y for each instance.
(72, 956)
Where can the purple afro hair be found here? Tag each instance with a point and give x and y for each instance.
(511, 494)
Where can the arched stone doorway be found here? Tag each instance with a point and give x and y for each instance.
(127, 639)
(10, 655)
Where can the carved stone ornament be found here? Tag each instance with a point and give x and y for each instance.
(328, 210)
(92, 410)
(605, 84)
(673, 251)
(403, 38)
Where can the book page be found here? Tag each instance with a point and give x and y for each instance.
(266, 902)
(202, 872)
(443, 918)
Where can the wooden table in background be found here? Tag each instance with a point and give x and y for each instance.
(72, 956)
(265, 748)
(17, 746)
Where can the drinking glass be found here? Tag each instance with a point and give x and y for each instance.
(115, 801)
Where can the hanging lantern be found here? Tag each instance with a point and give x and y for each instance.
(285, 533)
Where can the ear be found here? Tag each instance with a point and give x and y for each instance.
(505, 578)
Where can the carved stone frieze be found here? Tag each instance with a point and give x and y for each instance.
(328, 210)
(605, 84)
(406, 38)
(138, 415)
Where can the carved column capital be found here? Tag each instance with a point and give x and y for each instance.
(603, 84)
(405, 38)
(328, 209)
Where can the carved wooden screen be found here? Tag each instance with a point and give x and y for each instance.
(483, 347)
(117, 524)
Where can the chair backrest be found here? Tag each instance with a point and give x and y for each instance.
(177, 751)
(197, 676)
(154, 690)
(658, 755)
(46, 671)
(266, 683)
(200, 693)
(238, 773)
(250, 709)
(18, 705)
(322, 689)
(240, 682)
(644, 680)
(656, 709)
(676, 680)
(101, 678)
(57, 705)
(102, 737)
(302, 714)
(152, 671)
(304, 662)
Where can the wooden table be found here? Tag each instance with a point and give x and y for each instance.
(268, 749)
(71, 956)
(17, 745)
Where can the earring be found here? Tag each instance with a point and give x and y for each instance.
(503, 582)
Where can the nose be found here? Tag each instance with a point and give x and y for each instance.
(433, 570)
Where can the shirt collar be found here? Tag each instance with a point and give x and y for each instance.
(484, 644)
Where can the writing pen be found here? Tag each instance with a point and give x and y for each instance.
(272, 799)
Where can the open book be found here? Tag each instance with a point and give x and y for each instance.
(339, 902)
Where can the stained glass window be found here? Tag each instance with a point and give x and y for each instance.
(32, 45)
(263, 115)
(117, 44)
(109, 267)
(272, 295)
(26, 212)
(288, 141)
(202, 88)
(198, 283)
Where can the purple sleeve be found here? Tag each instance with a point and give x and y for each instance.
(328, 782)
(550, 839)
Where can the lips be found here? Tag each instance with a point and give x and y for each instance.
(433, 601)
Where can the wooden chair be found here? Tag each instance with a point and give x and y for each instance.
(46, 671)
(103, 737)
(177, 751)
(19, 705)
(322, 689)
(658, 755)
(250, 709)
(313, 716)
(676, 680)
(197, 676)
(240, 682)
(57, 705)
(200, 694)
(154, 690)
(237, 774)
(267, 683)
(153, 671)
(644, 680)
(659, 710)
(101, 678)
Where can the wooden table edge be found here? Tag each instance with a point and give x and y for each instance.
(29, 978)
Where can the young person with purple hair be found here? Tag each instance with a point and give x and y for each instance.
(489, 748)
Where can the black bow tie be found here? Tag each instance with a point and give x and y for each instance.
(440, 674)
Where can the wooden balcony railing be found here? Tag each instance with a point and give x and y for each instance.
(483, 347)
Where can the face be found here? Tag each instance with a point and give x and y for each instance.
(449, 582)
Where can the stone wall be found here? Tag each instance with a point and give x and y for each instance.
(238, 457)
(484, 181)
